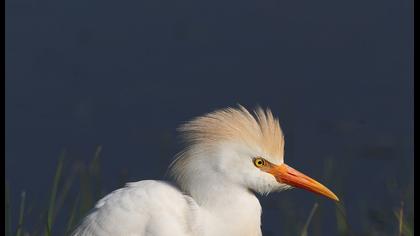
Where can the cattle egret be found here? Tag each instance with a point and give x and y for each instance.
(230, 155)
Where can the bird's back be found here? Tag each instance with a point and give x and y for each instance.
(144, 208)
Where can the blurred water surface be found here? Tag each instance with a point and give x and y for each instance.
(125, 74)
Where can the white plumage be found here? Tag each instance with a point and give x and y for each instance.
(229, 155)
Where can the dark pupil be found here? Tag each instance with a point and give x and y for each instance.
(259, 162)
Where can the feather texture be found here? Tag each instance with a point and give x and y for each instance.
(261, 130)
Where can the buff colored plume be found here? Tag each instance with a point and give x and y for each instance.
(237, 124)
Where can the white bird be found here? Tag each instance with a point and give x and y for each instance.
(230, 155)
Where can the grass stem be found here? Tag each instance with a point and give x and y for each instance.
(308, 221)
(400, 219)
(21, 214)
(56, 181)
(8, 211)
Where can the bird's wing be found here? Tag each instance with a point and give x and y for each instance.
(145, 208)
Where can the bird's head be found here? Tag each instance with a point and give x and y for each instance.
(234, 146)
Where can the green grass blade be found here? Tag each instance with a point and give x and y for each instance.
(95, 161)
(308, 221)
(94, 173)
(90, 184)
(407, 230)
(400, 219)
(72, 218)
(51, 208)
(343, 227)
(64, 192)
(403, 227)
(7, 212)
(21, 214)
(86, 199)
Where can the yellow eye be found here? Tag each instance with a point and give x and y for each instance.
(259, 162)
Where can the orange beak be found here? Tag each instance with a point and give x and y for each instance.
(286, 174)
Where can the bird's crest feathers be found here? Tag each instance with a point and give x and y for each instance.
(237, 124)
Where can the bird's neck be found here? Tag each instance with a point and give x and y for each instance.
(222, 202)
(217, 192)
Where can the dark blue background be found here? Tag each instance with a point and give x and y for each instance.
(125, 74)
